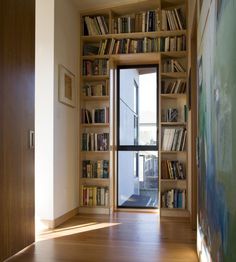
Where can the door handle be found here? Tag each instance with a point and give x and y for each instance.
(31, 139)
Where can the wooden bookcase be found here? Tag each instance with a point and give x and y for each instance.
(141, 44)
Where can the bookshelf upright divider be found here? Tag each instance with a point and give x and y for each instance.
(152, 32)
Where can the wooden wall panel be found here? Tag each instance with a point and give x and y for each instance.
(17, 52)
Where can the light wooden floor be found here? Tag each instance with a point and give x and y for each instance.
(120, 237)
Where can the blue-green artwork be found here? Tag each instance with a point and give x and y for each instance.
(217, 131)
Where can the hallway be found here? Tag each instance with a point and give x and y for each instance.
(119, 237)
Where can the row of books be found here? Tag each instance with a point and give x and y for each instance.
(172, 170)
(95, 169)
(97, 115)
(175, 43)
(96, 89)
(173, 20)
(96, 67)
(174, 139)
(174, 198)
(95, 196)
(96, 25)
(170, 115)
(173, 87)
(95, 141)
(148, 21)
(128, 45)
(172, 65)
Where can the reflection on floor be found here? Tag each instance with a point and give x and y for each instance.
(120, 237)
(138, 201)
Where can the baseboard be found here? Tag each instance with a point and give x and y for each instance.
(51, 224)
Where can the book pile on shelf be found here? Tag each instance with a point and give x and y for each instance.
(173, 20)
(173, 87)
(172, 170)
(98, 115)
(96, 25)
(95, 169)
(96, 89)
(175, 43)
(174, 139)
(171, 115)
(142, 45)
(95, 141)
(96, 67)
(172, 66)
(95, 196)
(91, 49)
(174, 198)
(140, 22)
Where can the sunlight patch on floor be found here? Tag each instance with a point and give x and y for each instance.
(67, 231)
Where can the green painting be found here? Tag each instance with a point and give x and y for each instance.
(217, 131)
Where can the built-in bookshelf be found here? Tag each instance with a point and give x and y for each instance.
(173, 157)
(151, 32)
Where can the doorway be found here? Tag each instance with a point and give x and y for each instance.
(137, 137)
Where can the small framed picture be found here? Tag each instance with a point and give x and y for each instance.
(66, 86)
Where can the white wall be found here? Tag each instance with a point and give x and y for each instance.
(65, 117)
(57, 37)
(44, 111)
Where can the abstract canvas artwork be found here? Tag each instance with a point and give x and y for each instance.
(217, 131)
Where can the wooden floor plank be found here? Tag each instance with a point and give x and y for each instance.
(120, 237)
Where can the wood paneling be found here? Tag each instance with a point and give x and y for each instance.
(121, 237)
(17, 30)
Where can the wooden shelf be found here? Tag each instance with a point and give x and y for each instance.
(133, 58)
(173, 123)
(153, 56)
(177, 75)
(174, 54)
(95, 98)
(95, 125)
(135, 35)
(173, 180)
(174, 209)
(173, 96)
(95, 77)
(173, 152)
(94, 57)
(95, 153)
(172, 3)
(95, 179)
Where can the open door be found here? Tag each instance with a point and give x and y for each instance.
(17, 52)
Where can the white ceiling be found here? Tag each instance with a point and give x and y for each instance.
(99, 4)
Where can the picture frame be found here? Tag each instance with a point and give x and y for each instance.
(67, 94)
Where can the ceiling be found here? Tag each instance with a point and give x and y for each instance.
(99, 4)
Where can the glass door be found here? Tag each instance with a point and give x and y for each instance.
(137, 184)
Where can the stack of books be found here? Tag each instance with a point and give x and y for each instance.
(96, 67)
(95, 196)
(95, 141)
(95, 169)
(173, 20)
(171, 115)
(148, 21)
(95, 25)
(172, 170)
(172, 66)
(98, 115)
(96, 89)
(174, 198)
(174, 139)
(175, 43)
(173, 87)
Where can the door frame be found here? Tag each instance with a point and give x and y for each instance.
(134, 147)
